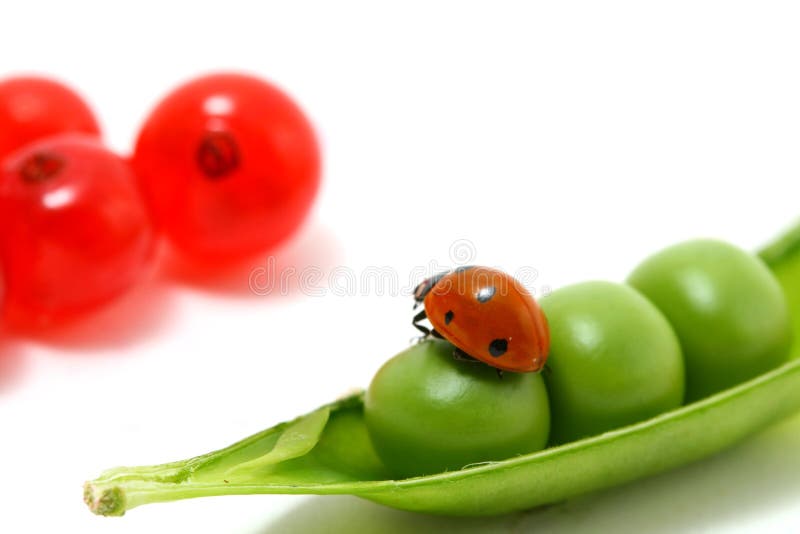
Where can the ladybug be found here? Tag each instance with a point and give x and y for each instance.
(487, 315)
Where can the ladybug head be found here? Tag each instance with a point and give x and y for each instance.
(422, 290)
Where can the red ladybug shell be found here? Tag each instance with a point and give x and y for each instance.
(490, 316)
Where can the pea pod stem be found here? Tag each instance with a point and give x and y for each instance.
(123, 488)
(114, 496)
(119, 489)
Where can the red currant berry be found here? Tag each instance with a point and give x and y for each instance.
(75, 229)
(2, 290)
(230, 166)
(35, 108)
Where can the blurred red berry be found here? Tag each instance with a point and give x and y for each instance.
(75, 229)
(230, 166)
(34, 108)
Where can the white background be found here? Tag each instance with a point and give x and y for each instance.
(572, 138)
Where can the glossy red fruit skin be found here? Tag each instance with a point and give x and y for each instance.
(230, 166)
(2, 290)
(75, 230)
(33, 108)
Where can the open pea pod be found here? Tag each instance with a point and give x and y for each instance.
(328, 450)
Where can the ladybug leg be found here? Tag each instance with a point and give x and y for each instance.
(462, 356)
(428, 332)
(435, 333)
(547, 370)
(419, 317)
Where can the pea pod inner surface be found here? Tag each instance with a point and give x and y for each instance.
(328, 451)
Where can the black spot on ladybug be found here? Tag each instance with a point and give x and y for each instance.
(448, 317)
(485, 294)
(498, 347)
(464, 268)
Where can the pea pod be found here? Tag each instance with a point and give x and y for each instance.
(329, 452)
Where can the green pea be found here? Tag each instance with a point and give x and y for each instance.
(614, 360)
(727, 308)
(427, 412)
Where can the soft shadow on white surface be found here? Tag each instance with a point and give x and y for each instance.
(314, 246)
(142, 313)
(12, 364)
(740, 488)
